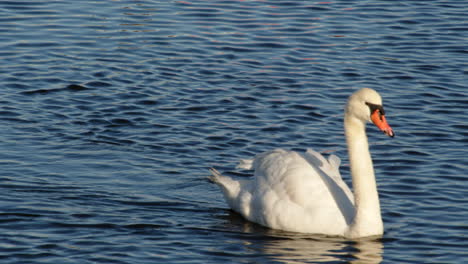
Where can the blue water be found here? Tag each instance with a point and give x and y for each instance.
(111, 113)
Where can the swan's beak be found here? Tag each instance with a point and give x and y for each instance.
(379, 120)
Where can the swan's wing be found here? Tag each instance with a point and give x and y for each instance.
(331, 168)
(245, 164)
(291, 192)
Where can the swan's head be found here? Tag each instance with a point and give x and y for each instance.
(366, 105)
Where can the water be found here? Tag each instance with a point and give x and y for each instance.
(111, 113)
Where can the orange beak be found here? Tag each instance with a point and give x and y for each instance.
(379, 120)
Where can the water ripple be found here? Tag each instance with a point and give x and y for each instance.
(111, 113)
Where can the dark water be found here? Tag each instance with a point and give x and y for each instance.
(111, 113)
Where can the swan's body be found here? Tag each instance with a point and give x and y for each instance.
(304, 192)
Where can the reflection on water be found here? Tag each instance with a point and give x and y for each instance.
(368, 251)
(300, 249)
(289, 247)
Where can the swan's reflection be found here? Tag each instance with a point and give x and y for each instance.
(294, 248)
(287, 247)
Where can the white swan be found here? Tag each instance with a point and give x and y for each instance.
(304, 192)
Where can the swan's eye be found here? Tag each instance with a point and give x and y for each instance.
(376, 107)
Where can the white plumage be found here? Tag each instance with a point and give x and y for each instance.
(304, 192)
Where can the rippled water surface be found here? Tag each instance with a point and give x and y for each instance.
(111, 113)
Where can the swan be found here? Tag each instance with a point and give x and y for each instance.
(304, 192)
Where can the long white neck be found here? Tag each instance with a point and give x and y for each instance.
(368, 220)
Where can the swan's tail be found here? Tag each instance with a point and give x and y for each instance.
(215, 176)
(229, 186)
(224, 181)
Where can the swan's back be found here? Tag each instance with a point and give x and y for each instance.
(301, 192)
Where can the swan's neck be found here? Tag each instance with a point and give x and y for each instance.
(367, 220)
